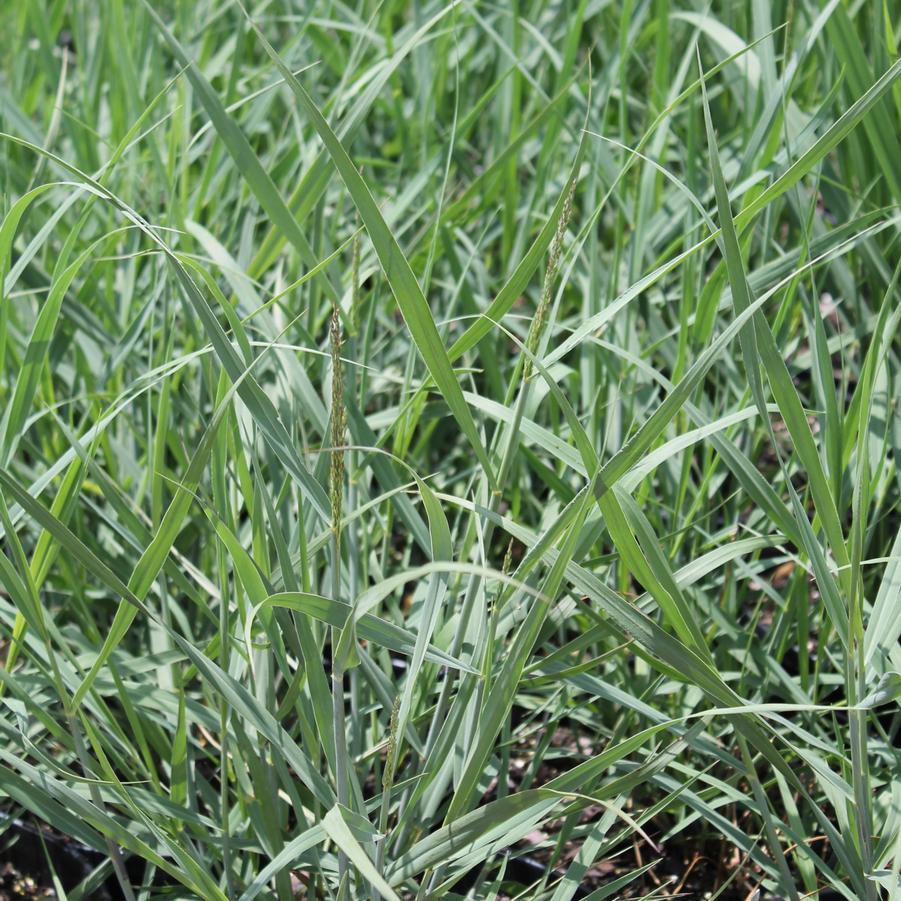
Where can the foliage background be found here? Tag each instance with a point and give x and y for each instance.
(603, 575)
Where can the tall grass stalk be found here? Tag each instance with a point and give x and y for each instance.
(336, 496)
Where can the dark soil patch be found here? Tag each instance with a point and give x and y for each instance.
(24, 868)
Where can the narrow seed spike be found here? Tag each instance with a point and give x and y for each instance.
(338, 423)
(390, 761)
(538, 323)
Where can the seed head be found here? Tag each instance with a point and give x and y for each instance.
(390, 761)
(538, 323)
(338, 423)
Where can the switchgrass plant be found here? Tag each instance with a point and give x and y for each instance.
(448, 450)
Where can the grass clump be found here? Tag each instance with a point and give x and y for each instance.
(449, 450)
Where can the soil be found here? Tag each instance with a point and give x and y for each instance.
(24, 871)
(681, 871)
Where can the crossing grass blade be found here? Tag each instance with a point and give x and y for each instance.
(400, 277)
(245, 159)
